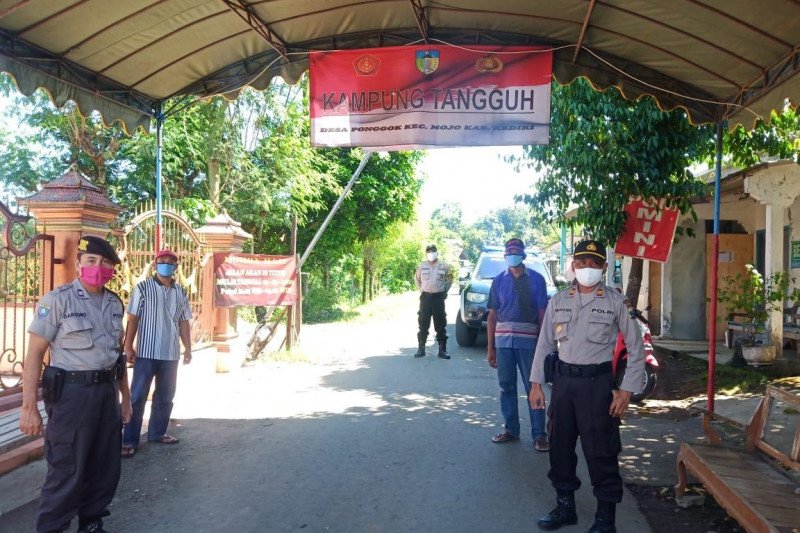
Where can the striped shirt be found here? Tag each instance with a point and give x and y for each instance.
(517, 302)
(160, 309)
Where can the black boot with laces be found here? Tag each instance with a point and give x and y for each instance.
(564, 514)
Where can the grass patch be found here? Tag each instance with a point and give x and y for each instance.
(729, 380)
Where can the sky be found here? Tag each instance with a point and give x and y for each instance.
(475, 177)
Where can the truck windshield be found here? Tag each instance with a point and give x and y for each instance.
(489, 267)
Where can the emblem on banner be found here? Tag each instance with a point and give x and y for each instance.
(366, 65)
(427, 61)
(489, 63)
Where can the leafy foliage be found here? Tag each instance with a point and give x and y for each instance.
(605, 150)
(780, 138)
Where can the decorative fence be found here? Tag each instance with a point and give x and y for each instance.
(137, 245)
(26, 273)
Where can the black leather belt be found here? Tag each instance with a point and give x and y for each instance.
(89, 377)
(583, 371)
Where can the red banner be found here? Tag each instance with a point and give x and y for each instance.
(253, 279)
(649, 231)
(435, 95)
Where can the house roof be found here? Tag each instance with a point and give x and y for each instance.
(70, 187)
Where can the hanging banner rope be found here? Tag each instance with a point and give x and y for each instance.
(406, 97)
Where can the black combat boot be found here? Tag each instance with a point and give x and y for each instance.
(421, 349)
(564, 513)
(443, 349)
(604, 518)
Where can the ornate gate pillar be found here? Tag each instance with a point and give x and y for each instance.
(222, 234)
(69, 208)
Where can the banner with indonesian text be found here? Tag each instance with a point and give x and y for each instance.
(648, 232)
(435, 95)
(253, 279)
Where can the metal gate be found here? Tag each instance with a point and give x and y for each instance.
(137, 251)
(26, 273)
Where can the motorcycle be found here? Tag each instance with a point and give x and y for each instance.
(620, 360)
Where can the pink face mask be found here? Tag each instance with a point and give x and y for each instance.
(96, 275)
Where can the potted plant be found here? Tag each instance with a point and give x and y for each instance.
(753, 299)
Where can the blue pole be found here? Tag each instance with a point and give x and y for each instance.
(159, 149)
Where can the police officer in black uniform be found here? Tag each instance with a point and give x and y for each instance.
(433, 278)
(81, 323)
(583, 323)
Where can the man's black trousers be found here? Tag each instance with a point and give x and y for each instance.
(579, 408)
(431, 304)
(83, 438)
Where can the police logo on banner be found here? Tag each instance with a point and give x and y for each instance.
(367, 65)
(427, 61)
(489, 63)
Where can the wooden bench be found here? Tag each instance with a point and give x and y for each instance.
(751, 482)
(791, 332)
(17, 449)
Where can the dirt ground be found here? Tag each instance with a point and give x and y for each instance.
(354, 434)
(681, 380)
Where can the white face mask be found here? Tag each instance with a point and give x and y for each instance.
(432, 256)
(589, 277)
(570, 275)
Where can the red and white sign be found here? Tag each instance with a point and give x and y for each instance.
(253, 279)
(403, 97)
(649, 231)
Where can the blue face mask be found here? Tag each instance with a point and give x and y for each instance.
(165, 269)
(513, 260)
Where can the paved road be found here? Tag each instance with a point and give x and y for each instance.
(361, 438)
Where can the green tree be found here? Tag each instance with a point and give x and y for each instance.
(778, 138)
(449, 217)
(606, 150)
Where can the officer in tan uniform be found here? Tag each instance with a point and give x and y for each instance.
(81, 323)
(434, 279)
(583, 322)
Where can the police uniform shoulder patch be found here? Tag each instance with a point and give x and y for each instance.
(43, 311)
(571, 291)
(116, 296)
(600, 292)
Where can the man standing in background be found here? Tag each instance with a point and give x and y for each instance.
(517, 302)
(434, 279)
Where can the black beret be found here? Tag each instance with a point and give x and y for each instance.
(590, 248)
(98, 246)
(431, 248)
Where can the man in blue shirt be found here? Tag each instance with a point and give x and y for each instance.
(517, 302)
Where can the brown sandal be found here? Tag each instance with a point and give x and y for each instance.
(541, 444)
(168, 439)
(504, 437)
(128, 452)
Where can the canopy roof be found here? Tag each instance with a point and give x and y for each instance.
(734, 60)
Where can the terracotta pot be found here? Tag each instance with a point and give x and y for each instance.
(759, 355)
